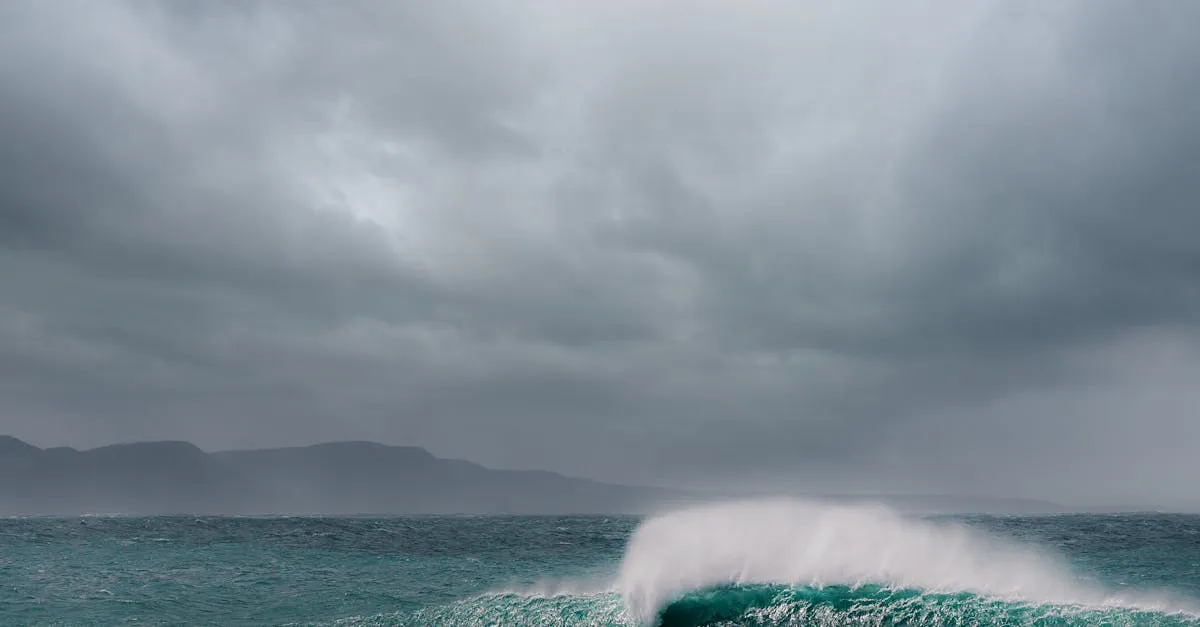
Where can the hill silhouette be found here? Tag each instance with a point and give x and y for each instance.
(334, 478)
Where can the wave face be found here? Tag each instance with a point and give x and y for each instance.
(762, 605)
(767, 605)
(791, 562)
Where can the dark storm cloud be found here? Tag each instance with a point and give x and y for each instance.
(933, 247)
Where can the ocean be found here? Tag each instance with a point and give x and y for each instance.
(750, 563)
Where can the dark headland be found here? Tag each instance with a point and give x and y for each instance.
(334, 478)
(341, 478)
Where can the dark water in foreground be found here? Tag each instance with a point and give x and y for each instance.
(756, 564)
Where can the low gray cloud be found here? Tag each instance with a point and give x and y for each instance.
(933, 247)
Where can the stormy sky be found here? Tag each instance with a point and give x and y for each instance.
(884, 247)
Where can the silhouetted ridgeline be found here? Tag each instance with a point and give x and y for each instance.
(338, 478)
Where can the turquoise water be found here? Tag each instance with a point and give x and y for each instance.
(774, 564)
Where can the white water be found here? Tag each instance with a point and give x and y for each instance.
(804, 543)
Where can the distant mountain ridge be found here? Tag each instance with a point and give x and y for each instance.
(335, 478)
(343, 478)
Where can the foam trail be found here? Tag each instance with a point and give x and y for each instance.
(812, 544)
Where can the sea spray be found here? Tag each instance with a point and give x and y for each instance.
(810, 544)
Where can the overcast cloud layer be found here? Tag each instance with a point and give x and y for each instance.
(920, 247)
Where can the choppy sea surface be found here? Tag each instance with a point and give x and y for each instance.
(761, 563)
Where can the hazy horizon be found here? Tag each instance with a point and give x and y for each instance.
(905, 501)
(931, 248)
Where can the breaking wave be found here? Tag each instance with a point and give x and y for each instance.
(803, 554)
(777, 563)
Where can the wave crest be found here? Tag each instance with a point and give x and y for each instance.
(813, 545)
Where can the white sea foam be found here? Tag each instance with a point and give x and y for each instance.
(813, 544)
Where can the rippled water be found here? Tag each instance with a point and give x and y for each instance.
(762, 566)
